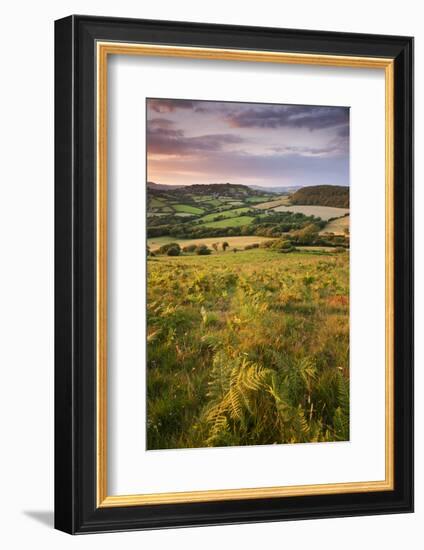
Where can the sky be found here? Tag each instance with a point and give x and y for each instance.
(199, 142)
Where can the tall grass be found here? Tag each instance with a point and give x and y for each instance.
(247, 349)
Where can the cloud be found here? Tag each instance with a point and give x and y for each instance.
(155, 123)
(166, 140)
(289, 116)
(240, 168)
(172, 105)
(334, 147)
(247, 141)
(169, 105)
(343, 131)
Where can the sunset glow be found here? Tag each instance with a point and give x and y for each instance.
(199, 142)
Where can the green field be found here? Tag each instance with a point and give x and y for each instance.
(262, 198)
(213, 202)
(247, 348)
(156, 203)
(231, 222)
(226, 214)
(186, 208)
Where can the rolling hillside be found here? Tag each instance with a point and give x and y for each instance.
(196, 212)
(322, 195)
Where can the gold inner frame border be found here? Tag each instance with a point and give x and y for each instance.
(103, 50)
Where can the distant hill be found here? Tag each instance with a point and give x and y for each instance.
(236, 191)
(220, 189)
(161, 186)
(278, 190)
(322, 195)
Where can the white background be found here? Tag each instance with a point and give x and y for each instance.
(131, 468)
(26, 289)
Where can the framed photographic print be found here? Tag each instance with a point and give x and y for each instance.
(234, 269)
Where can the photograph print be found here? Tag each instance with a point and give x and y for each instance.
(247, 273)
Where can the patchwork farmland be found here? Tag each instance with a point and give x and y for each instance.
(225, 210)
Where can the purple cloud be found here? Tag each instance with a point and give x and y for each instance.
(289, 116)
(170, 105)
(166, 140)
(212, 140)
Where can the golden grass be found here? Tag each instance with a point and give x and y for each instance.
(235, 242)
(323, 212)
(247, 349)
(272, 204)
(337, 227)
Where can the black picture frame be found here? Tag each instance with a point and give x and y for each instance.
(76, 510)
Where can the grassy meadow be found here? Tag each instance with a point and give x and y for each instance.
(338, 226)
(247, 347)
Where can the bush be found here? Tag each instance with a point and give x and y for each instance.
(282, 245)
(190, 248)
(267, 244)
(173, 251)
(203, 250)
(170, 246)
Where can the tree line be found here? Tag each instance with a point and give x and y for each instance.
(322, 195)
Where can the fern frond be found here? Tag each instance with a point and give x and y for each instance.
(236, 400)
(343, 392)
(219, 427)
